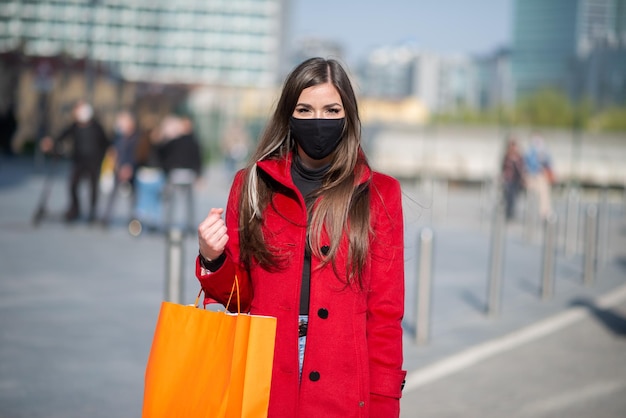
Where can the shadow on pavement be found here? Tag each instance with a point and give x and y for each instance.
(14, 171)
(613, 321)
(474, 301)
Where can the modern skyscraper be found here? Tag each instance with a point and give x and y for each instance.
(441, 83)
(388, 73)
(494, 77)
(211, 42)
(554, 40)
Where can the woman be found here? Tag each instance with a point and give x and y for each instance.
(316, 240)
(512, 176)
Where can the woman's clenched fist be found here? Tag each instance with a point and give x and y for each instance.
(212, 234)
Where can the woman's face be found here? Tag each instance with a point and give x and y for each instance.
(318, 102)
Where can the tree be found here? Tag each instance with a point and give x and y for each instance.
(546, 107)
(610, 120)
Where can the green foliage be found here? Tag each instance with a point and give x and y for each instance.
(583, 112)
(468, 116)
(610, 120)
(547, 108)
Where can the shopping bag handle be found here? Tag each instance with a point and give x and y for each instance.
(198, 298)
(235, 285)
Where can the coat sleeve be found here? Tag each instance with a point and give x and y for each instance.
(104, 140)
(63, 136)
(386, 300)
(219, 284)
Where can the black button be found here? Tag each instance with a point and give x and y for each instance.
(322, 313)
(325, 249)
(314, 376)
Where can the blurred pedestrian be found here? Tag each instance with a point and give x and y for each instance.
(539, 174)
(149, 184)
(123, 154)
(178, 146)
(513, 173)
(235, 147)
(315, 239)
(88, 143)
(181, 158)
(8, 127)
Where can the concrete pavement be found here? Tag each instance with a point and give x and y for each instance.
(78, 306)
(570, 365)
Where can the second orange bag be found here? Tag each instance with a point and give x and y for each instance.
(209, 364)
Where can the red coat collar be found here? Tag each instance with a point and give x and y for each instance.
(280, 169)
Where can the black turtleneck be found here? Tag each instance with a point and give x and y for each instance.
(307, 180)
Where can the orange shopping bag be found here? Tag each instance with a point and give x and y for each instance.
(209, 364)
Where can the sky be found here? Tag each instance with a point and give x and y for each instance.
(443, 26)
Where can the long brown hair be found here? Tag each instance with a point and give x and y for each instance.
(341, 204)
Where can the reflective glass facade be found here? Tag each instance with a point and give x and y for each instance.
(551, 40)
(544, 43)
(220, 42)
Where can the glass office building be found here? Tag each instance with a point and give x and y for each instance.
(553, 39)
(440, 83)
(210, 42)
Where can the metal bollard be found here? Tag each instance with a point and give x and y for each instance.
(174, 284)
(191, 225)
(603, 226)
(531, 215)
(591, 245)
(623, 206)
(490, 190)
(424, 287)
(180, 182)
(484, 200)
(571, 222)
(549, 252)
(496, 264)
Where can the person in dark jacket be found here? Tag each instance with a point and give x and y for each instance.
(179, 148)
(181, 159)
(88, 143)
(8, 127)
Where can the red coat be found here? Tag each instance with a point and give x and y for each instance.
(353, 359)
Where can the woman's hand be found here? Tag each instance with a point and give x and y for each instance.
(212, 236)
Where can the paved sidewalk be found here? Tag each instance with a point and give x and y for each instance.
(530, 360)
(571, 365)
(78, 303)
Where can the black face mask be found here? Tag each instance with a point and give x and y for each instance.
(317, 137)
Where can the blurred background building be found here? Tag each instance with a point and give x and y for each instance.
(495, 84)
(119, 53)
(315, 47)
(440, 83)
(222, 61)
(576, 46)
(229, 42)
